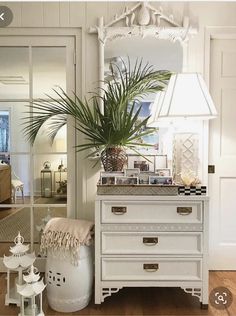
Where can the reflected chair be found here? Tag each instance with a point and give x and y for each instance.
(17, 185)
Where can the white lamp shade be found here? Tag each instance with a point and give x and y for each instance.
(186, 97)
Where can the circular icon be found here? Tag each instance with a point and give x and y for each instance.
(6, 16)
(221, 297)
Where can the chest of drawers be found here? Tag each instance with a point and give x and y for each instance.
(151, 241)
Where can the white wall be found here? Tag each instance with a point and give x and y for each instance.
(85, 14)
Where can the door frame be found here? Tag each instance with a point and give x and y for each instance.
(214, 32)
(75, 179)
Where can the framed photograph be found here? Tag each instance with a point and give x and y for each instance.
(144, 165)
(108, 180)
(160, 161)
(126, 180)
(164, 172)
(144, 177)
(132, 172)
(160, 180)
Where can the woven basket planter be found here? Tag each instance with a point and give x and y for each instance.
(113, 159)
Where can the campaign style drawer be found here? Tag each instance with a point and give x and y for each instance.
(151, 212)
(140, 269)
(151, 243)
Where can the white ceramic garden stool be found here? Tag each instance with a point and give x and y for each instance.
(69, 265)
(69, 287)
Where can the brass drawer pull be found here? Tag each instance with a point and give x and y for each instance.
(184, 210)
(119, 210)
(150, 241)
(150, 267)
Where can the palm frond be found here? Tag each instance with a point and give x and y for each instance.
(117, 123)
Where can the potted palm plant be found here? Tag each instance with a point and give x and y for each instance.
(110, 120)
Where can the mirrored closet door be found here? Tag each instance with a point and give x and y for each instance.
(33, 179)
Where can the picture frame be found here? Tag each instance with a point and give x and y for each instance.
(163, 172)
(144, 164)
(160, 180)
(108, 180)
(160, 161)
(134, 172)
(111, 173)
(126, 180)
(144, 177)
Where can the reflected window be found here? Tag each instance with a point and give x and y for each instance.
(14, 73)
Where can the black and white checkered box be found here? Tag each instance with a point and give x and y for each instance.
(192, 190)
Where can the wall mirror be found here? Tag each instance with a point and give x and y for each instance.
(147, 33)
(33, 179)
(162, 54)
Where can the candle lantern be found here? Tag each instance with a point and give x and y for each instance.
(29, 292)
(16, 263)
(46, 183)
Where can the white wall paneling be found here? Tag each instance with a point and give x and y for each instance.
(32, 13)
(51, 14)
(64, 14)
(77, 13)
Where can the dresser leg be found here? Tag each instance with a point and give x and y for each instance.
(97, 296)
(205, 289)
(204, 306)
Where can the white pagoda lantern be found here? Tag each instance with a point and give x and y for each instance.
(19, 261)
(29, 291)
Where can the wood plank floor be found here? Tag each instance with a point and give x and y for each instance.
(144, 301)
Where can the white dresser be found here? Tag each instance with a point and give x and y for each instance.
(151, 241)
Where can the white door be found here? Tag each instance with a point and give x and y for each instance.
(222, 154)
